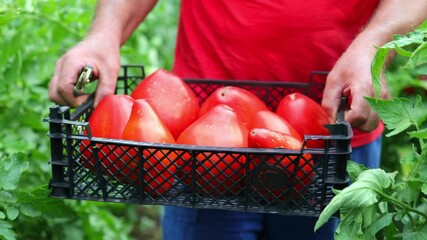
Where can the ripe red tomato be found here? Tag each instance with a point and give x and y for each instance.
(305, 115)
(244, 103)
(171, 98)
(144, 125)
(219, 127)
(272, 121)
(107, 120)
(298, 178)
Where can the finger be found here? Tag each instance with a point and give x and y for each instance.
(371, 123)
(106, 85)
(67, 79)
(360, 114)
(53, 93)
(331, 100)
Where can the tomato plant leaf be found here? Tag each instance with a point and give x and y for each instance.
(421, 234)
(354, 169)
(382, 222)
(399, 113)
(418, 57)
(409, 162)
(401, 51)
(7, 197)
(12, 212)
(6, 231)
(399, 42)
(11, 169)
(418, 134)
(377, 66)
(351, 224)
(29, 210)
(422, 27)
(363, 193)
(424, 188)
(8, 16)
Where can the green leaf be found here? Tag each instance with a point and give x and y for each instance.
(401, 51)
(351, 225)
(362, 193)
(382, 222)
(7, 197)
(11, 169)
(37, 201)
(29, 210)
(369, 215)
(409, 162)
(422, 27)
(399, 41)
(8, 17)
(418, 134)
(424, 188)
(6, 231)
(420, 234)
(377, 66)
(2, 215)
(354, 169)
(12, 213)
(421, 70)
(418, 57)
(399, 113)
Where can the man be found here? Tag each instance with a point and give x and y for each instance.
(271, 40)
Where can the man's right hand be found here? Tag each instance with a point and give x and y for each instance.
(103, 56)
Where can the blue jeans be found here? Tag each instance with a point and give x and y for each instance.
(205, 224)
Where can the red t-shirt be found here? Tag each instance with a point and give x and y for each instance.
(271, 40)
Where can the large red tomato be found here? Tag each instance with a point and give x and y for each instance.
(171, 98)
(244, 103)
(298, 178)
(272, 121)
(305, 115)
(216, 172)
(107, 120)
(144, 125)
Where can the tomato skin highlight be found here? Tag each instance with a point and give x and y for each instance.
(305, 115)
(107, 120)
(171, 98)
(144, 125)
(272, 121)
(244, 103)
(216, 173)
(303, 174)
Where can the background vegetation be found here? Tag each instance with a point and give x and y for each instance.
(34, 34)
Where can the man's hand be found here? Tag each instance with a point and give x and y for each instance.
(114, 22)
(351, 77)
(104, 57)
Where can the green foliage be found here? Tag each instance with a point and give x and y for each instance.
(391, 205)
(399, 113)
(35, 33)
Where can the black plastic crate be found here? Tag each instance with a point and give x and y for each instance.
(247, 179)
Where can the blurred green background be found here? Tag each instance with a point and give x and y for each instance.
(29, 47)
(30, 44)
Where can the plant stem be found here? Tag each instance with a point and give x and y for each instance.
(400, 203)
(420, 140)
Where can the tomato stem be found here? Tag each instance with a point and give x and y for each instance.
(401, 204)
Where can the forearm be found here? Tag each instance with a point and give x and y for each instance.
(115, 20)
(391, 17)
